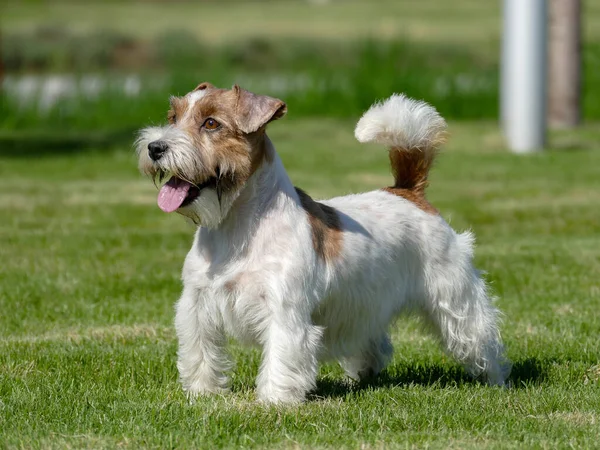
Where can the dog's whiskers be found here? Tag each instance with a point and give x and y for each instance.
(219, 187)
(159, 177)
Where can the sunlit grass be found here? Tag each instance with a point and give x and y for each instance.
(466, 22)
(91, 269)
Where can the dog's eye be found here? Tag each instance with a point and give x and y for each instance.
(172, 117)
(211, 124)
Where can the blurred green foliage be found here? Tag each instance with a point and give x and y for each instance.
(315, 78)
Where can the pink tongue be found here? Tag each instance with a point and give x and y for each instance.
(172, 194)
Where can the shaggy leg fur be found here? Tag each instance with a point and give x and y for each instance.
(289, 367)
(371, 361)
(475, 345)
(202, 359)
(463, 316)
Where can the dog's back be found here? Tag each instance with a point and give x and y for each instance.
(398, 254)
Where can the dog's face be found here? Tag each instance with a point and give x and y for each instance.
(212, 145)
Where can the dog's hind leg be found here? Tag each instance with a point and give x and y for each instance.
(371, 361)
(463, 316)
(201, 357)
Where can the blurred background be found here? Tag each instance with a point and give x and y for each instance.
(107, 67)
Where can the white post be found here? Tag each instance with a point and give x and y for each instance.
(504, 64)
(523, 96)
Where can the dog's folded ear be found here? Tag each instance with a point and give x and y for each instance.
(255, 111)
(203, 86)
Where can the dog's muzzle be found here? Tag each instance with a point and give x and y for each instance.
(156, 149)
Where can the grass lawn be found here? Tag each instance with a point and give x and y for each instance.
(461, 20)
(472, 23)
(90, 272)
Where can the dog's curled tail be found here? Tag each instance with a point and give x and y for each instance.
(412, 129)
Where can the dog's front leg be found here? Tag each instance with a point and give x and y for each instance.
(290, 358)
(201, 359)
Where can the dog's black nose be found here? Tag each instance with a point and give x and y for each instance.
(156, 149)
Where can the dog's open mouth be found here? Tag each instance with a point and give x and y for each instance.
(177, 193)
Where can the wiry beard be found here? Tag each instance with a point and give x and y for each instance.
(218, 188)
(183, 159)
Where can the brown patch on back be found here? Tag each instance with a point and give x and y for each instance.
(410, 170)
(417, 198)
(325, 225)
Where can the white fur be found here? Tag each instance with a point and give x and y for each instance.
(401, 122)
(192, 98)
(257, 277)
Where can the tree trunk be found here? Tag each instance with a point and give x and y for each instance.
(564, 69)
(1, 65)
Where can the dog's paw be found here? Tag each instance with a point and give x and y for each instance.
(272, 396)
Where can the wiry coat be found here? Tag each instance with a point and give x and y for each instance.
(306, 280)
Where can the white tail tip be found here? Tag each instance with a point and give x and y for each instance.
(402, 122)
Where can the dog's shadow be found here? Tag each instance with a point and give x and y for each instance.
(525, 372)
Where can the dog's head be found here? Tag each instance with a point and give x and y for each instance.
(213, 143)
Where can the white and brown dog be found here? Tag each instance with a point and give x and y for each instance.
(307, 280)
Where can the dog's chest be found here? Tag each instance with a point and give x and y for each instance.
(242, 305)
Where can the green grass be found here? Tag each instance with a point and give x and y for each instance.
(218, 22)
(90, 272)
(464, 22)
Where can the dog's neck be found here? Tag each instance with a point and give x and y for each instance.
(268, 190)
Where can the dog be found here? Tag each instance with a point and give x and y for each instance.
(309, 281)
